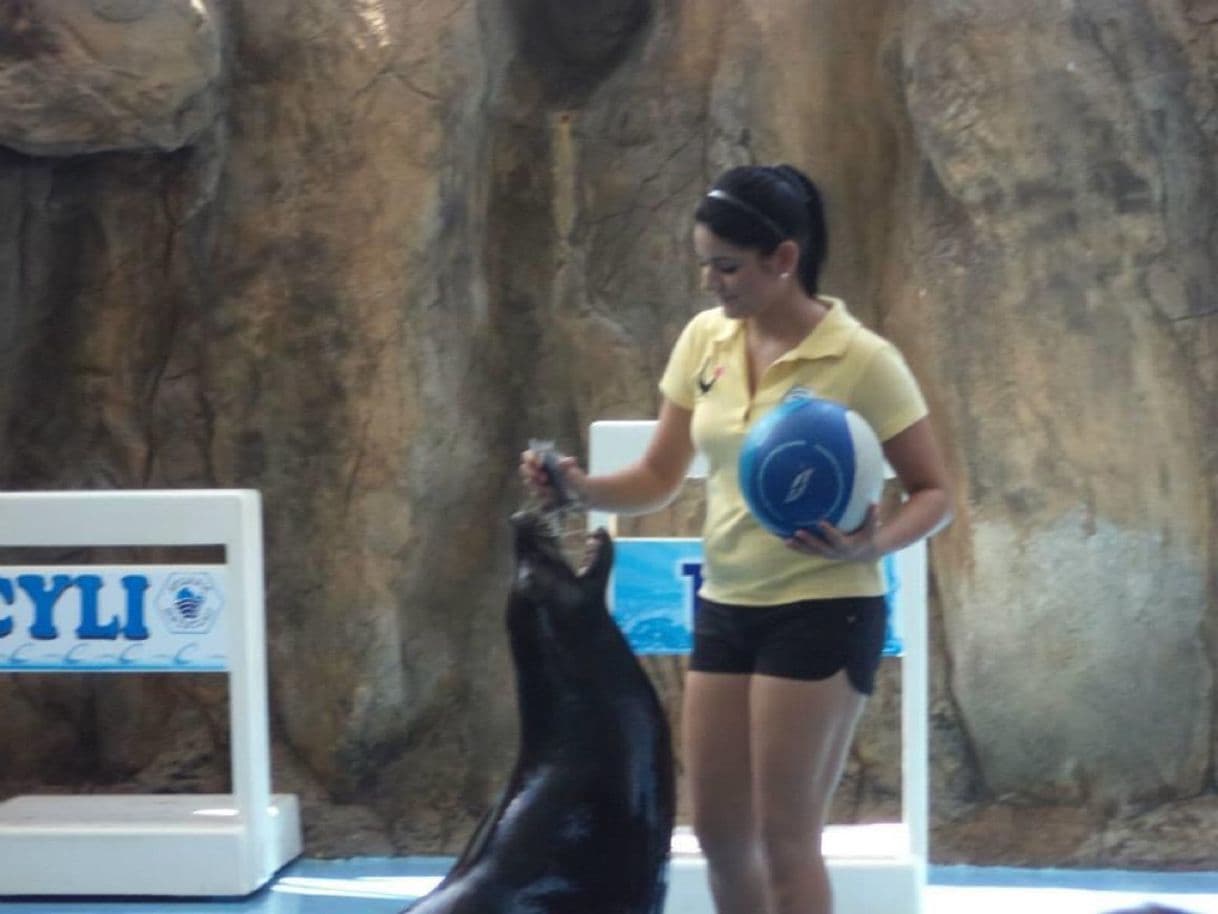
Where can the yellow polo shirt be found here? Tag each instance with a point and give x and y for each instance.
(707, 373)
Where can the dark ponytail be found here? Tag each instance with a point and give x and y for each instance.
(759, 207)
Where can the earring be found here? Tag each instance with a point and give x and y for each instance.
(785, 275)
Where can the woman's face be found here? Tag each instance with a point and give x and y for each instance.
(743, 279)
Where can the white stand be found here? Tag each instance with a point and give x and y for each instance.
(872, 867)
(174, 845)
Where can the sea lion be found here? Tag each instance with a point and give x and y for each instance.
(584, 824)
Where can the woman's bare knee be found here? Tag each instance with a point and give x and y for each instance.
(725, 840)
(789, 844)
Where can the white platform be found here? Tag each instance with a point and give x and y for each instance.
(172, 844)
(871, 868)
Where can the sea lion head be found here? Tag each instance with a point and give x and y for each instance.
(542, 572)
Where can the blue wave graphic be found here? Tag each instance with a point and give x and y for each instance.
(653, 596)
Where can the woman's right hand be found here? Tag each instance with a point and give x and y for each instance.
(536, 477)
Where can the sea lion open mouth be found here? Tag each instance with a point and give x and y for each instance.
(536, 541)
(534, 535)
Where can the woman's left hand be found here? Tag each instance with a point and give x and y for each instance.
(831, 543)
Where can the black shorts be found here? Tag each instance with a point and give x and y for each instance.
(811, 639)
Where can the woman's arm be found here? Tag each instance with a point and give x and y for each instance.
(914, 456)
(645, 485)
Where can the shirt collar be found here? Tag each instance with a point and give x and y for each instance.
(830, 337)
(728, 328)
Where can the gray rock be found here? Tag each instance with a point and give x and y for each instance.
(104, 75)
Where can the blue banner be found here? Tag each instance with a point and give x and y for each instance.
(654, 583)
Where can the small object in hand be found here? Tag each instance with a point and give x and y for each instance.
(563, 497)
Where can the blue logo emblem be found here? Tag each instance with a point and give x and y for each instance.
(190, 603)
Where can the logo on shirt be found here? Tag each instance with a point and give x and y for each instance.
(705, 385)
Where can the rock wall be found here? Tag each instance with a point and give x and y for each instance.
(355, 254)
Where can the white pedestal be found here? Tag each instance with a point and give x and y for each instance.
(172, 844)
(871, 868)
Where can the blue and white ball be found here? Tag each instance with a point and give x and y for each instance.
(810, 460)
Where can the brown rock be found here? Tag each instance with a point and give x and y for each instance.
(96, 75)
(411, 237)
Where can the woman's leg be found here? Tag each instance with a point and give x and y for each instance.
(801, 734)
(715, 725)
